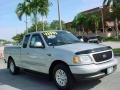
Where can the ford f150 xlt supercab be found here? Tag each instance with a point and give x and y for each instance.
(61, 55)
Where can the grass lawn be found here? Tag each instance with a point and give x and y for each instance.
(116, 50)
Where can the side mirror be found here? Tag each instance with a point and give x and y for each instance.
(38, 44)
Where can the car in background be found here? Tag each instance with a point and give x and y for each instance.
(92, 39)
(95, 39)
(82, 38)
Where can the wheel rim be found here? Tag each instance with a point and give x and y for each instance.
(12, 67)
(61, 77)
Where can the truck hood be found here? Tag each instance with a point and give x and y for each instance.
(79, 47)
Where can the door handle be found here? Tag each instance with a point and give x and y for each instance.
(49, 54)
(28, 53)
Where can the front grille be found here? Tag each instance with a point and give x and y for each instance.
(102, 56)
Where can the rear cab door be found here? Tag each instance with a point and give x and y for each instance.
(24, 51)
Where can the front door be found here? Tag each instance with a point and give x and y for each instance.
(36, 54)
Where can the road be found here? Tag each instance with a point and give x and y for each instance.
(29, 81)
(112, 44)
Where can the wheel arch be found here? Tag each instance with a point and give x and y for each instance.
(9, 58)
(56, 62)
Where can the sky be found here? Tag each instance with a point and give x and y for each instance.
(10, 24)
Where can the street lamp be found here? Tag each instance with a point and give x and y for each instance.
(60, 24)
(102, 18)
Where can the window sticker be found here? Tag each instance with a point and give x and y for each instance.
(50, 33)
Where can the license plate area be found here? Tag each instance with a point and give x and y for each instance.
(110, 70)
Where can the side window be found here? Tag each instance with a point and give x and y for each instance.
(36, 41)
(25, 42)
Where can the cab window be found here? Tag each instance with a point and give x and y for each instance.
(36, 41)
(26, 40)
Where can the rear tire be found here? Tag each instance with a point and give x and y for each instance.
(12, 67)
(63, 77)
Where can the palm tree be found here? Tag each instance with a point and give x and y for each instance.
(109, 2)
(38, 7)
(95, 19)
(112, 4)
(80, 21)
(87, 22)
(23, 8)
(43, 10)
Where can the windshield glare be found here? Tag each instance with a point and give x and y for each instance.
(56, 38)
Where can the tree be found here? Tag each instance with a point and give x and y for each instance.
(44, 11)
(115, 6)
(85, 22)
(38, 7)
(55, 24)
(80, 21)
(116, 9)
(18, 38)
(23, 8)
(39, 25)
(107, 2)
(95, 19)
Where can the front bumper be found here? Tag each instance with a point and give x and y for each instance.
(92, 69)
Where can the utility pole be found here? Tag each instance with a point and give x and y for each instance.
(26, 22)
(60, 24)
(36, 17)
(26, 25)
(36, 21)
(43, 26)
(102, 18)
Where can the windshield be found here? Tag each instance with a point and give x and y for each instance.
(56, 38)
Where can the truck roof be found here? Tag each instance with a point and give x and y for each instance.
(42, 31)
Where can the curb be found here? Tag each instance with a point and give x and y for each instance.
(117, 54)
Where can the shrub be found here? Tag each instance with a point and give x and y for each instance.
(116, 50)
(113, 38)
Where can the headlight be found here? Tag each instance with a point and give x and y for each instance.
(82, 59)
(85, 59)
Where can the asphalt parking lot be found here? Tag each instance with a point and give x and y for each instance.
(29, 81)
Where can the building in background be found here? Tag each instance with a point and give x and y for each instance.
(107, 23)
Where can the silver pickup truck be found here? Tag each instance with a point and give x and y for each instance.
(61, 55)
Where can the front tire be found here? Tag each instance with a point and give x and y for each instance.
(12, 68)
(63, 77)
